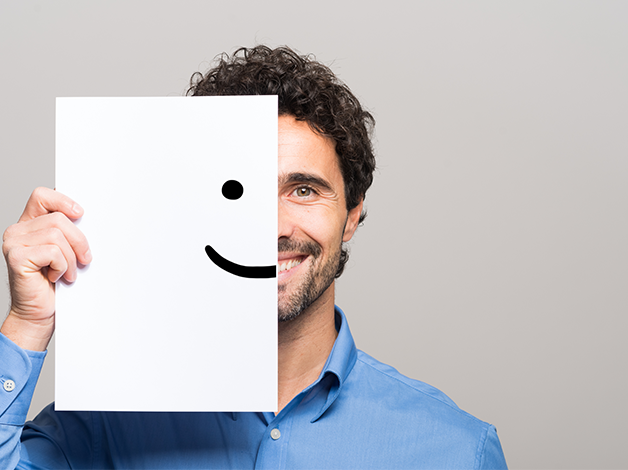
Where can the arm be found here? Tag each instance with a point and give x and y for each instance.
(492, 457)
(20, 369)
(40, 249)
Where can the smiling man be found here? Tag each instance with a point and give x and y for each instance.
(338, 407)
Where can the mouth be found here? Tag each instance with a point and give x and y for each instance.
(252, 272)
(287, 263)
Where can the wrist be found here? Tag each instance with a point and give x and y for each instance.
(33, 335)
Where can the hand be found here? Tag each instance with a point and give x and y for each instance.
(40, 249)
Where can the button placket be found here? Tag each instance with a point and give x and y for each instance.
(9, 385)
(273, 449)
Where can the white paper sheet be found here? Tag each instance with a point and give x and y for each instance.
(153, 324)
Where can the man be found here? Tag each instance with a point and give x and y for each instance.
(338, 407)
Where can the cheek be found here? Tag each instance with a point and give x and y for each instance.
(324, 227)
(320, 223)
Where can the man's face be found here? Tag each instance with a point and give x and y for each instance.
(313, 219)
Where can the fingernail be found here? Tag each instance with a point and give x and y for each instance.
(76, 208)
(88, 256)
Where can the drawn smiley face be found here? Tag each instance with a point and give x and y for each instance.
(234, 190)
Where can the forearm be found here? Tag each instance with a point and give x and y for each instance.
(19, 371)
(28, 335)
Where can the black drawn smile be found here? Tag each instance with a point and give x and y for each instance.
(254, 272)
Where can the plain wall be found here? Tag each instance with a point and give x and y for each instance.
(493, 264)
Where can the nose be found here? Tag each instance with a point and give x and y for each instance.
(286, 221)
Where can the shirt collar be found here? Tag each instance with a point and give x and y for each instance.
(339, 363)
(336, 370)
(344, 353)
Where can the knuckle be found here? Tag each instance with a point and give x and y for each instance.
(57, 239)
(57, 219)
(81, 242)
(71, 256)
(60, 258)
(12, 256)
(54, 234)
(54, 253)
(38, 193)
(7, 233)
(55, 250)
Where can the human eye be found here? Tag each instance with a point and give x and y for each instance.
(303, 192)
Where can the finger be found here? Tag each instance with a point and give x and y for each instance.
(61, 223)
(29, 260)
(49, 236)
(45, 200)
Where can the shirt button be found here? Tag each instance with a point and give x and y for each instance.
(9, 385)
(275, 434)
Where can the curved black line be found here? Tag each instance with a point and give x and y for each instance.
(254, 272)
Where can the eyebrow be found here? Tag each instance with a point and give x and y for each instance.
(291, 178)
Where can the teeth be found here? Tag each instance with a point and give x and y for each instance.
(289, 265)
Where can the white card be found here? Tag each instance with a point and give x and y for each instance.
(153, 324)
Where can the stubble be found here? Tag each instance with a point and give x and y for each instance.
(315, 282)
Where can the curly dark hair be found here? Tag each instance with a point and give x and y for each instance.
(309, 91)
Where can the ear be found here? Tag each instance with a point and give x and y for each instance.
(353, 218)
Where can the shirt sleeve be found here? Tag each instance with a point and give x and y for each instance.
(492, 457)
(19, 371)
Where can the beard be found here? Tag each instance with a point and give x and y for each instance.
(315, 281)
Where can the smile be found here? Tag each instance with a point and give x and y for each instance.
(287, 265)
(253, 272)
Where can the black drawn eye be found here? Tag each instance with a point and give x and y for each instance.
(232, 189)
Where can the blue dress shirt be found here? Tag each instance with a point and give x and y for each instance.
(359, 414)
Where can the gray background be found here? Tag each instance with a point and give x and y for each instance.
(493, 264)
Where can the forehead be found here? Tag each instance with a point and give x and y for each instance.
(304, 151)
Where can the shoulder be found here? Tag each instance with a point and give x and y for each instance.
(411, 400)
(388, 375)
(424, 423)
(367, 367)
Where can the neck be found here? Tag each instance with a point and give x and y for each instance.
(304, 346)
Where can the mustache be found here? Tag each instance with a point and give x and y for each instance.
(308, 248)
